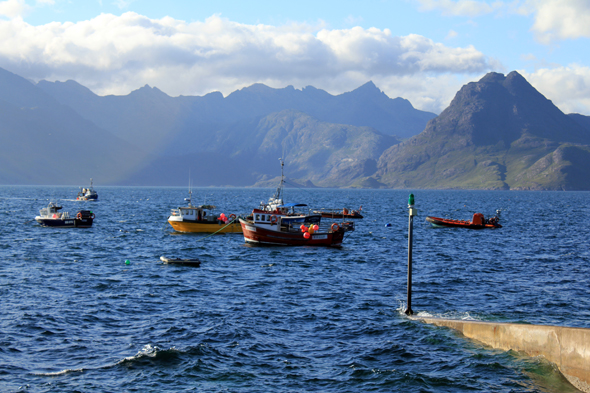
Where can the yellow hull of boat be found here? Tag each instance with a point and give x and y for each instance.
(198, 227)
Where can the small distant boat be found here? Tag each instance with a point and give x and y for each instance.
(340, 213)
(87, 194)
(51, 216)
(179, 261)
(200, 219)
(478, 222)
(277, 223)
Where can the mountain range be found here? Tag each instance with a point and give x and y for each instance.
(497, 133)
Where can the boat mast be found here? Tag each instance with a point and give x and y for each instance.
(190, 192)
(279, 191)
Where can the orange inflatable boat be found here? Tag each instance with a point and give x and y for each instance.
(478, 222)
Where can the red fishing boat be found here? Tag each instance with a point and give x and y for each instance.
(478, 222)
(277, 223)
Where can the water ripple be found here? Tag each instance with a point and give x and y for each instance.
(75, 317)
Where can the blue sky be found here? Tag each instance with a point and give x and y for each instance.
(422, 50)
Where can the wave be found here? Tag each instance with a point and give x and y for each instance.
(58, 373)
(463, 315)
(150, 351)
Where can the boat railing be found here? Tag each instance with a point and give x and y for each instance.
(175, 212)
(325, 226)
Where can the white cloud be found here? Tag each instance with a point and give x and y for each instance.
(553, 19)
(13, 8)
(568, 87)
(452, 34)
(469, 8)
(122, 4)
(560, 19)
(116, 54)
(353, 20)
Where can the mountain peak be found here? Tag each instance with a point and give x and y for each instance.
(366, 92)
(147, 91)
(368, 87)
(257, 88)
(492, 77)
(505, 108)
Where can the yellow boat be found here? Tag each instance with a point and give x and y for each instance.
(200, 219)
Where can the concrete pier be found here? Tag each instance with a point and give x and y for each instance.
(568, 348)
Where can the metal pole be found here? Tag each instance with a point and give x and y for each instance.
(412, 213)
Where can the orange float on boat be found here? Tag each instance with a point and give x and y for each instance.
(478, 222)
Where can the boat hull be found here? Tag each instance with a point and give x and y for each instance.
(87, 198)
(254, 234)
(204, 227)
(65, 223)
(449, 223)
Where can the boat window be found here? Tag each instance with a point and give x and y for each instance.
(257, 217)
(262, 217)
(268, 218)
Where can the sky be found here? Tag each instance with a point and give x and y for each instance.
(420, 50)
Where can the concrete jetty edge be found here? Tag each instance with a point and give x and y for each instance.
(568, 348)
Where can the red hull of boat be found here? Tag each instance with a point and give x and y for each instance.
(447, 222)
(257, 235)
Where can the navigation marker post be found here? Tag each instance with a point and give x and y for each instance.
(410, 236)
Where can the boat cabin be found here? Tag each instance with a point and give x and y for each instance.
(195, 213)
(285, 217)
(264, 215)
(52, 211)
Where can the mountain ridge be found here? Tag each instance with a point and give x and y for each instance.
(497, 133)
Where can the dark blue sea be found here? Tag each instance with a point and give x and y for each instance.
(74, 317)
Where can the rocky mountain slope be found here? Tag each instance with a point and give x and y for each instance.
(497, 133)
(163, 125)
(45, 142)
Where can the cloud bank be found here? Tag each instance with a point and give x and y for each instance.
(568, 87)
(117, 54)
(553, 19)
(561, 19)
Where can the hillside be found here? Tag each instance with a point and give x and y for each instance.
(497, 133)
(45, 142)
(155, 122)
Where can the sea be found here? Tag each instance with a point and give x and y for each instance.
(95, 310)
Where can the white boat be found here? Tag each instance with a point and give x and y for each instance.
(51, 216)
(87, 194)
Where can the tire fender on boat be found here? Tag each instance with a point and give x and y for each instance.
(335, 227)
